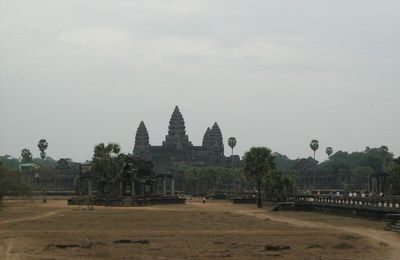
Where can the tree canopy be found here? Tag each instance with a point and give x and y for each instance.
(26, 155)
(42, 145)
(12, 183)
(259, 161)
(107, 160)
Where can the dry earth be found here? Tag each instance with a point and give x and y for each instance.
(33, 230)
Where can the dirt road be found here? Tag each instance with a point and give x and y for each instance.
(378, 236)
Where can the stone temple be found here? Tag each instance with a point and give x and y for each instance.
(177, 148)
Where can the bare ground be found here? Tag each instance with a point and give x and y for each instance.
(33, 230)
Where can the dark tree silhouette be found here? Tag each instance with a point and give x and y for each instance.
(259, 161)
(314, 145)
(232, 143)
(42, 147)
(329, 151)
(107, 160)
(63, 164)
(26, 155)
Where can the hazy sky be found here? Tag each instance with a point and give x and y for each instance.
(271, 73)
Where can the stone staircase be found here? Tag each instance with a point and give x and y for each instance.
(393, 222)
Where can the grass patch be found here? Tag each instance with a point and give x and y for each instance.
(350, 237)
(313, 246)
(342, 246)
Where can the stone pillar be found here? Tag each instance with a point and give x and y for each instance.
(164, 186)
(369, 184)
(133, 193)
(90, 187)
(384, 184)
(121, 189)
(154, 188)
(378, 187)
(172, 186)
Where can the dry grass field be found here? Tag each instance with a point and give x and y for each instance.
(33, 230)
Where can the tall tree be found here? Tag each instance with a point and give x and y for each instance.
(329, 151)
(107, 160)
(314, 145)
(232, 143)
(259, 161)
(26, 155)
(42, 147)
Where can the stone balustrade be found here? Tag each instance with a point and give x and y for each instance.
(391, 204)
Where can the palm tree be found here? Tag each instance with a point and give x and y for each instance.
(314, 145)
(26, 155)
(258, 162)
(329, 151)
(232, 143)
(42, 147)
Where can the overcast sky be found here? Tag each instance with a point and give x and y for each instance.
(271, 73)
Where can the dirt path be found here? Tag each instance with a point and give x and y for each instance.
(7, 244)
(48, 214)
(378, 236)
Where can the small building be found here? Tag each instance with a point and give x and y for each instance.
(28, 167)
(136, 182)
(378, 183)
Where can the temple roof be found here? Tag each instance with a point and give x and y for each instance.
(206, 138)
(176, 131)
(142, 142)
(215, 139)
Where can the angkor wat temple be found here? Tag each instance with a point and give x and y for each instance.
(176, 148)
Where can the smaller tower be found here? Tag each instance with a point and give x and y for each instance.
(216, 143)
(142, 143)
(206, 138)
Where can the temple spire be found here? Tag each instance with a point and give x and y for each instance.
(216, 142)
(206, 138)
(142, 143)
(176, 137)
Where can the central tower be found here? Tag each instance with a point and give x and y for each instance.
(176, 138)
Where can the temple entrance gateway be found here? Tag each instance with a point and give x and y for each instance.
(137, 184)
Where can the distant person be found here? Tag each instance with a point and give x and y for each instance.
(337, 194)
(204, 200)
(350, 194)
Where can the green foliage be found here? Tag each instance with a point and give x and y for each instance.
(63, 164)
(358, 164)
(26, 155)
(10, 162)
(278, 186)
(107, 160)
(329, 151)
(360, 176)
(42, 147)
(203, 180)
(232, 143)
(374, 158)
(258, 162)
(12, 183)
(394, 176)
(314, 145)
